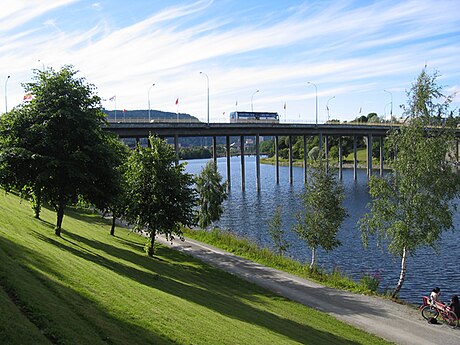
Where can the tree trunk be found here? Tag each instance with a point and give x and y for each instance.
(151, 250)
(402, 274)
(60, 216)
(112, 229)
(37, 203)
(313, 258)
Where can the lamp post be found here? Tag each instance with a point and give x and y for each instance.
(6, 94)
(207, 79)
(391, 102)
(327, 107)
(148, 96)
(252, 100)
(43, 65)
(316, 103)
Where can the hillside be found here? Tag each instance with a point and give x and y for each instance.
(90, 288)
(144, 114)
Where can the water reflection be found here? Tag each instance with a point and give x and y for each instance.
(247, 213)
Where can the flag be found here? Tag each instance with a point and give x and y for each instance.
(236, 103)
(111, 99)
(27, 97)
(360, 109)
(177, 101)
(124, 110)
(284, 106)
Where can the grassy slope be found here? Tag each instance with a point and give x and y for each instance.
(90, 288)
(361, 156)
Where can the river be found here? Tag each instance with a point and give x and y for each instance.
(248, 213)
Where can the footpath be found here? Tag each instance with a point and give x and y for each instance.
(394, 322)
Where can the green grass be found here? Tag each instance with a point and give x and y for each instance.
(91, 288)
(245, 248)
(361, 156)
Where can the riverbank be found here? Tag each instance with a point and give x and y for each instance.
(88, 287)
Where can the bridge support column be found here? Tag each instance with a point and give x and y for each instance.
(456, 150)
(257, 162)
(305, 155)
(326, 151)
(355, 158)
(138, 140)
(381, 156)
(227, 145)
(277, 161)
(369, 155)
(176, 146)
(320, 144)
(340, 158)
(291, 179)
(242, 162)
(214, 150)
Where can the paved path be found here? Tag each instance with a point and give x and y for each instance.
(397, 323)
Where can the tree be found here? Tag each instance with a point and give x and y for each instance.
(212, 192)
(277, 233)
(323, 210)
(412, 207)
(54, 146)
(159, 193)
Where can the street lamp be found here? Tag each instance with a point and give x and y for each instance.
(391, 102)
(327, 107)
(207, 78)
(148, 95)
(6, 94)
(43, 65)
(252, 100)
(316, 92)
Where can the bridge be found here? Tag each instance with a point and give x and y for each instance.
(175, 129)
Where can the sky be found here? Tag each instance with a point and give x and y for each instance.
(357, 57)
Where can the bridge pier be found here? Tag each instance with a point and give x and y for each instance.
(257, 163)
(381, 156)
(176, 146)
(305, 156)
(340, 158)
(326, 152)
(369, 155)
(277, 161)
(227, 146)
(214, 150)
(355, 158)
(242, 162)
(291, 179)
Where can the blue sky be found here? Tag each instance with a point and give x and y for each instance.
(351, 50)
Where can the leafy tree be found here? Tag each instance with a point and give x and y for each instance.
(323, 210)
(413, 206)
(277, 233)
(54, 146)
(212, 192)
(159, 193)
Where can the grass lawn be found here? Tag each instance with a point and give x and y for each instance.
(361, 156)
(91, 288)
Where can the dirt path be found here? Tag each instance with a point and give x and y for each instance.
(394, 322)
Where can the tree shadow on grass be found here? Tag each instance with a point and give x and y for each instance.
(63, 315)
(187, 278)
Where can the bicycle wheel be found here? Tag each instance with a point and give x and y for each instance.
(429, 311)
(451, 318)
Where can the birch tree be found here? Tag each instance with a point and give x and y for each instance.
(323, 213)
(411, 207)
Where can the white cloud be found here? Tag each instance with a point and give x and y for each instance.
(347, 51)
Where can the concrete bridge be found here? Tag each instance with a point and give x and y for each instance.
(138, 130)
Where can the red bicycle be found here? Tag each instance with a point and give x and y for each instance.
(438, 309)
